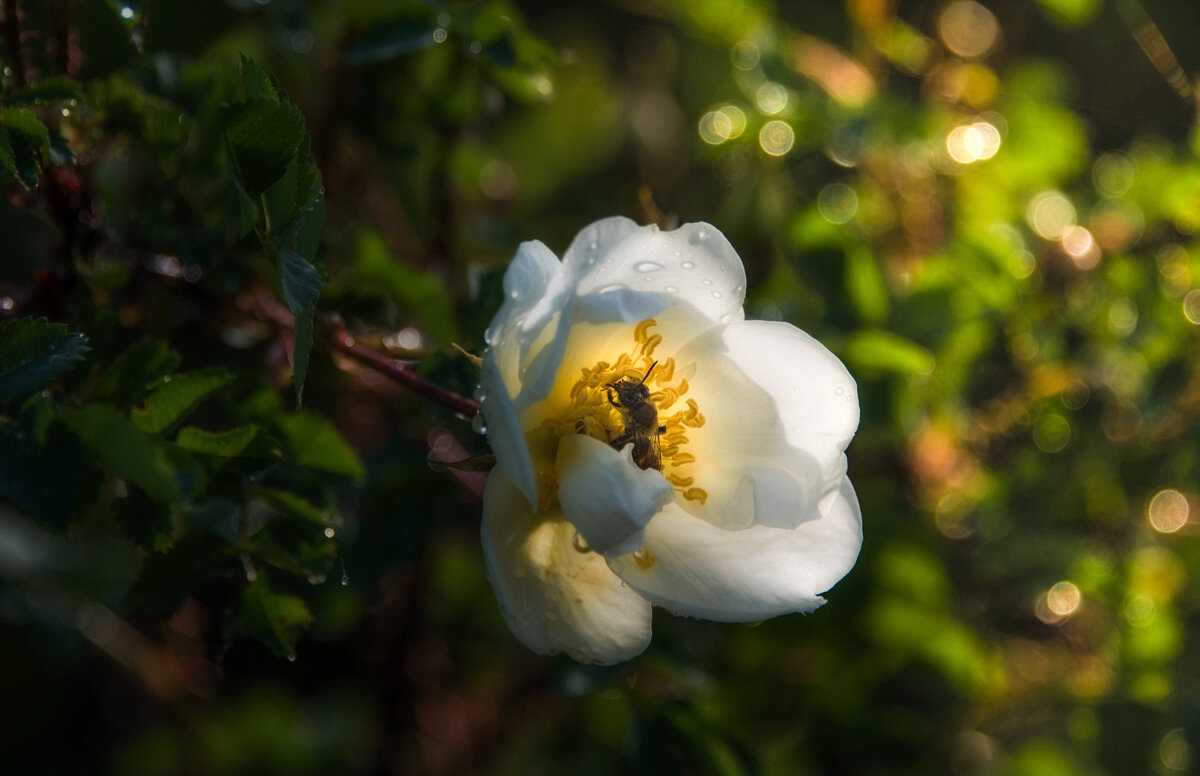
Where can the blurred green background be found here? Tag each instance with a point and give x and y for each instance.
(988, 211)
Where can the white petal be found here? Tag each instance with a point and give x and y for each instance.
(694, 262)
(696, 569)
(744, 461)
(619, 304)
(605, 495)
(816, 398)
(504, 433)
(555, 598)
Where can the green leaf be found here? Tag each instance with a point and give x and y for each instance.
(312, 441)
(264, 136)
(875, 351)
(33, 352)
(51, 90)
(131, 375)
(301, 283)
(292, 504)
(8, 162)
(300, 280)
(40, 477)
(392, 39)
(291, 199)
(256, 82)
(225, 444)
(865, 285)
(145, 521)
(124, 450)
(276, 619)
(167, 578)
(175, 396)
(302, 340)
(29, 143)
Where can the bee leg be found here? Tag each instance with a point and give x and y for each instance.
(621, 441)
(611, 400)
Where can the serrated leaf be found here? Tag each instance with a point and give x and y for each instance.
(312, 441)
(877, 351)
(276, 619)
(171, 399)
(264, 136)
(61, 152)
(256, 81)
(120, 448)
(34, 351)
(51, 90)
(133, 373)
(291, 198)
(29, 142)
(226, 444)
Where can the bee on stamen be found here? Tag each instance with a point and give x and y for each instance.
(641, 420)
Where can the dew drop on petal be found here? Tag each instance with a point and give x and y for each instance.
(551, 615)
(671, 290)
(609, 287)
(678, 252)
(292, 658)
(706, 282)
(593, 245)
(647, 266)
(839, 390)
(478, 424)
(687, 264)
(716, 294)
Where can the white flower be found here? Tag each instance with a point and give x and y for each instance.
(733, 506)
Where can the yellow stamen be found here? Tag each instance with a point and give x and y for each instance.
(643, 559)
(680, 482)
(696, 494)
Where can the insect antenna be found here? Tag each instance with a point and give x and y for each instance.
(648, 371)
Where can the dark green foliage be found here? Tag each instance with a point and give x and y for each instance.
(34, 352)
(195, 190)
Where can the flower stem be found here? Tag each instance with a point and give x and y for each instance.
(343, 341)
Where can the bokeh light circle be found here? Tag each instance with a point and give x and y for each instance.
(1168, 511)
(776, 137)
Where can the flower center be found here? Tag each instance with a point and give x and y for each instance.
(638, 400)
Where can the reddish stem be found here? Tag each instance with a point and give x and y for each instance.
(342, 340)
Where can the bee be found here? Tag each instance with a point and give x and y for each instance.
(641, 420)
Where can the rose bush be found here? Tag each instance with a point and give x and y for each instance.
(744, 512)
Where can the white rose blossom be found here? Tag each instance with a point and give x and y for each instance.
(733, 505)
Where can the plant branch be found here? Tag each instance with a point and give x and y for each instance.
(344, 342)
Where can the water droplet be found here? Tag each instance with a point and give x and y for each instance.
(839, 390)
(671, 290)
(513, 294)
(716, 294)
(478, 423)
(706, 282)
(292, 658)
(593, 245)
(609, 287)
(551, 615)
(677, 253)
(329, 533)
(687, 264)
(580, 544)
(345, 579)
(316, 579)
(701, 234)
(649, 278)
(647, 266)
(727, 317)
(251, 575)
(489, 336)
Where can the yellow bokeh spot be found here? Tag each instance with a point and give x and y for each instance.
(776, 138)
(1063, 598)
(1168, 511)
